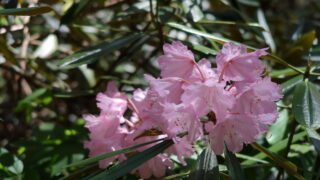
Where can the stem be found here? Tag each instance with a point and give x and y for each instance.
(292, 131)
(156, 22)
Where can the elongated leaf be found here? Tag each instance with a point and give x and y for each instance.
(132, 163)
(288, 166)
(89, 55)
(28, 99)
(254, 25)
(291, 83)
(315, 138)
(222, 40)
(26, 11)
(234, 167)
(207, 167)
(276, 147)
(266, 34)
(278, 129)
(110, 154)
(74, 94)
(306, 104)
(285, 72)
(74, 11)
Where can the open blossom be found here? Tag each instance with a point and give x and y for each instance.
(239, 104)
(234, 63)
(106, 133)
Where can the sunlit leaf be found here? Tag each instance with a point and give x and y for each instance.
(278, 129)
(254, 25)
(28, 99)
(10, 162)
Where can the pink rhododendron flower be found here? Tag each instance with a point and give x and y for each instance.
(238, 104)
(234, 131)
(234, 63)
(208, 96)
(106, 133)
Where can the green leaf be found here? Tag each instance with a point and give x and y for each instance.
(278, 129)
(288, 166)
(306, 104)
(110, 154)
(26, 11)
(28, 99)
(207, 167)
(306, 40)
(203, 49)
(75, 94)
(266, 34)
(315, 138)
(276, 147)
(90, 55)
(74, 11)
(254, 25)
(291, 83)
(10, 162)
(285, 72)
(233, 165)
(134, 162)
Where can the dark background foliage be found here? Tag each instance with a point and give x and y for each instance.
(57, 54)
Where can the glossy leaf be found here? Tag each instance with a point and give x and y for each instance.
(26, 11)
(306, 104)
(90, 55)
(234, 167)
(278, 129)
(110, 154)
(289, 85)
(133, 162)
(207, 166)
(233, 23)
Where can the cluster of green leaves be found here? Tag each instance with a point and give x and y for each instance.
(56, 55)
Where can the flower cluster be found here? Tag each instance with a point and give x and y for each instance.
(232, 104)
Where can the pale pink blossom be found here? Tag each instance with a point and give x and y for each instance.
(234, 63)
(208, 96)
(234, 131)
